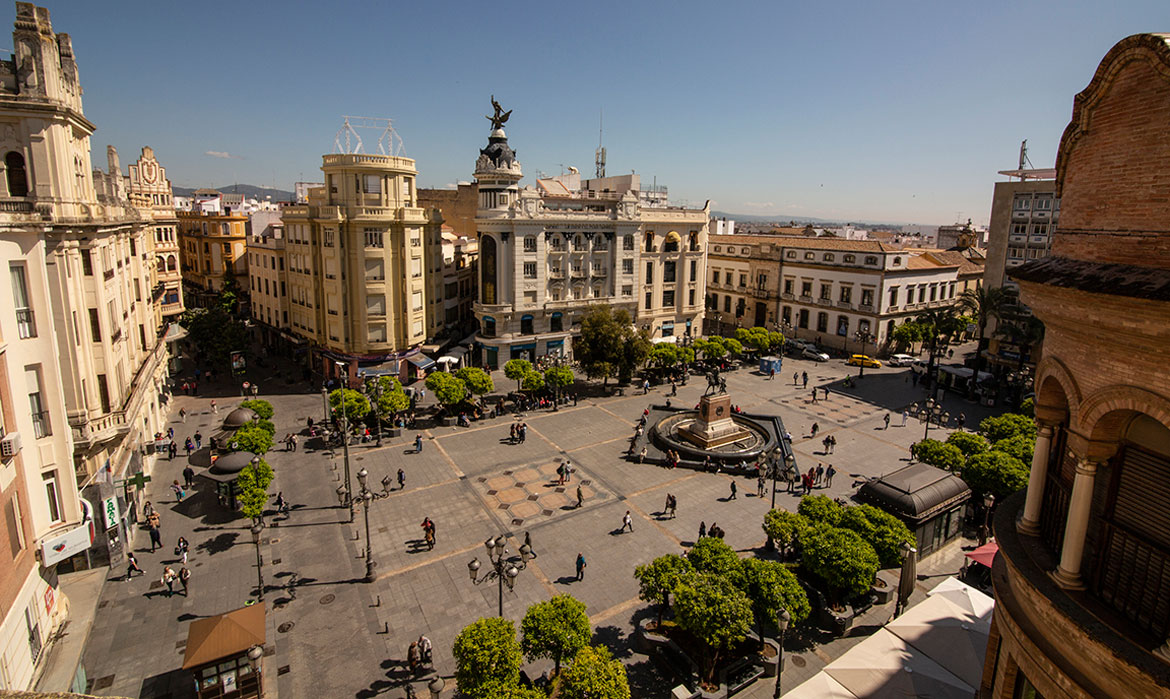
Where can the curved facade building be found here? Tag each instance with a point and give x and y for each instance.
(1083, 579)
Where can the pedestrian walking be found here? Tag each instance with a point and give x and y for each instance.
(170, 433)
(816, 427)
(131, 565)
(804, 376)
(772, 374)
(155, 538)
(814, 395)
(702, 529)
(168, 579)
(760, 488)
(425, 650)
(214, 407)
(189, 446)
(732, 496)
(418, 444)
(962, 420)
(172, 450)
(177, 490)
(580, 566)
(560, 473)
(184, 578)
(181, 549)
(829, 473)
(183, 413)
(147, 510)
(642, 455)
(832, 443)
(627, 522)
(795, 378)
(673, 506)
(198, 440)
(412, 657)
(523, 432)
(154, 520)
(886, 419)
(905, 416)
(528, 543)
(568, 471)
(401, 479)
(580, 497)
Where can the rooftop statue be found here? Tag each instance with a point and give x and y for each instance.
(500, 116)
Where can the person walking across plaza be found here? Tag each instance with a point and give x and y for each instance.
(580, 566)
(829, 473)
(886, 419)
(580, 497)
(182, 548)
(627, 522)
(733, 489)
(905, 416)
(184, 578)
(168, 579)
(412, 657)
(804, 377)
(401, 479)
(155, 537)
(182, 414)
(214, 407)
(131, 565)
(702, 529)
(760, 487)
(198, 439)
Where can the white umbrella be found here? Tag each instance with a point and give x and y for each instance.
(944, 632)
(884, 665)
(965, 596)
(820, 686)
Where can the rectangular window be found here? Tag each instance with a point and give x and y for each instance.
(668, 298)
(846, 294)
(690, 297)
(142, 336)
(867, 297)
(1023, 203)
(694, 271)
(806, 289)
(628, 265)
(103, 393)
(826, 291)
(416, 301)
(52, 496)
(933, 292)
(13, 521)
(627, 290)
(95, 325)
(627, 242)
(668, 271)
(87, 262)
(727, 278)
(529, 243)
(788, 284)
(25, 321)
(649, 276)
(372, 184)
(530, 270)
(415, 267)
(727, 304)
(649, 300)
(743, 280)
(922, 294)
(374, 237)
(40, 415)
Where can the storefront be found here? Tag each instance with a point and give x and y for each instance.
(929, 500)
(225, 653)
(420, 366)
(525, 351)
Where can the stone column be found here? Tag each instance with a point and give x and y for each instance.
(1068, 573)
(1030, 523)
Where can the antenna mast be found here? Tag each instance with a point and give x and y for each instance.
(600, 148)
(1025, 163)
(389, 143)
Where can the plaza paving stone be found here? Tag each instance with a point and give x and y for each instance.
(332, 635)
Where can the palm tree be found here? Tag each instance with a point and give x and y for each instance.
(985, 303)
(1025, 331)
(937, 323)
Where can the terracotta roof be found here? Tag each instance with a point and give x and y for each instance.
(1097, 277)
(924, 262)
(224, 636)
(954, 258)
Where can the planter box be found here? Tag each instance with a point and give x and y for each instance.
(392, 432)
(647, 641)
(771, 665)
(890, 577)
(837, 623)
(450, 421)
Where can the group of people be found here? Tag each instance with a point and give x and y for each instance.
(518, 432)
(428, 528)
(419, 654)
(714, 531)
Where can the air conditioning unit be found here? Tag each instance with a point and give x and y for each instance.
(10, 445)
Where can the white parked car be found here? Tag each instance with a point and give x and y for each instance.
(900, 360)
(814, 354)
(919, 366)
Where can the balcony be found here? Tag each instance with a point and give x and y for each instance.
(844, 304)
(824, 302)
(26, 323)
(761, 293)
(805, 298)
(868, 308)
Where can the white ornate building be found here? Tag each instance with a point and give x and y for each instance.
(547, 254)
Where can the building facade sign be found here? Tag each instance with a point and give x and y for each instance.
(57, 548)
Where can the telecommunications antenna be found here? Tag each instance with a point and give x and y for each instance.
(348, 139)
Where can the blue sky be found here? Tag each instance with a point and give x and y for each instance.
(879, 111)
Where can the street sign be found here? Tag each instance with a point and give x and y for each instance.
(110, 510)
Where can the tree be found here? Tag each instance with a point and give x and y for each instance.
(262, 408)
(820, 509)
(253, 438)
(658, 579)
(609, 344)
(477, 380)
(733, 346)
(712, 348)
(595, 674)
(1007, 425)
(936, 453)
(517, 369)
(498, 690)
(984, 303)
(558, 378)
(215, 331)
(393, 399)
(885, 532)
(772, 588)
(715, 611)
(533, 381)
(252, 489)
(356, 405)
(635, 348)
(967, 443)
(757, 338)
(784, 527)
(664, 355)
(841, 558)
(712, 555)
(1019, 447)
(906, 334)
(487, 657)
(937, 324)
(449, 390)
(554, 629)
(995, 473)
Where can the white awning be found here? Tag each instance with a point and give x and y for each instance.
(673, 339)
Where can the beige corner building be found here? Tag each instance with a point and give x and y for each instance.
(83, 352)
(357, 259)
(213, 250)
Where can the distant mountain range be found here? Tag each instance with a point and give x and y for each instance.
(250, 191)
(781, 220)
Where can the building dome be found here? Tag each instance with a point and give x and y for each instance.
(230, 464)
(238, 418)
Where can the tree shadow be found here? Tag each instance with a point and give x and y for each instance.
(175, 683)
(218, 544)
(614, 639)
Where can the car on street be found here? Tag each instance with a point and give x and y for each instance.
(919, 366)
(864, 360)
(900, 360)
(814, 354)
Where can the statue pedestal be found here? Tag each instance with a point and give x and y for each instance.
(714, 427)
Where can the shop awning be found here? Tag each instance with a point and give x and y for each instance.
(384, 369)
(421, 361)
(672, 339)
(985, 554)
(224, 636)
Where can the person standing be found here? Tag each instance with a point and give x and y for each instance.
(184, 578)
(412, 657)
(568, 471)
(401, 479)
(198, 439)
(772, 374)
(418, 444)
(214, 407)
(627, 522)
(523, 432)
(177, 490)
(189, 446)
(425, 650)
(760, 488)
(182, 414)
(829, 473)
(181, 549)
(528, 543)
(732, 496)
(131, 565)
(804, 376)
(962, 420)
(820, 474)
(580, 496)
(561, 473)
(702, 529)
(168, 579)
(886, 419)
(580, 566)
(155, 537)
(905, 416)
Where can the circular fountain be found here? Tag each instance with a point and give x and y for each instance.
(714, 432)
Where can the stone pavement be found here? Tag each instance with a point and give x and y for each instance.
(327, 629)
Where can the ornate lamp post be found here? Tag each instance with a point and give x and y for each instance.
(782, 622)
(985, 528)
(256, 531)
(502, 570)
(864, 337)
(368, 497)
(374, 390)
(255, 653)
(436, 687)
(325, 403)
(931, 411)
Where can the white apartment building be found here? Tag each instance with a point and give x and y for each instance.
(84, 356)
(268, 282)
(546, 254)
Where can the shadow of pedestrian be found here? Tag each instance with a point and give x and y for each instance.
(566, 580)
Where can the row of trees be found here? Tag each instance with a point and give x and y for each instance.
(452, 389)
(716, 596)
(488, 655)
(994, 461)
(528, 378)
(216, 330)
(256, 438)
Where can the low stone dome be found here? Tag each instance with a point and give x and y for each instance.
(232, 463)
(238, 418)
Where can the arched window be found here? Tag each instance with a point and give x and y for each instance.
(487, 270)
(649, 241)
(526, 325)
(171, 263)
(672, 241)
(694, 242)
(17, 178)
(489, 327)
(161, 264)
(554, 324)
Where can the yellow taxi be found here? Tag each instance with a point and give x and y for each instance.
(864, 360)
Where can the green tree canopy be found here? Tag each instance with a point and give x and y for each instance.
(356, 404)
(908, 333)
(559, 377)
(783, 527)
(262, 408)
(555, 629)
(882, 530)
(253, 438)
(477, 380)
(733, 346)
(449, 390)
(392, 399)
(664, 355)
(967, 443)
(820, 509)
(995, 473)
(936, 453)
(772, 588)
(517, 369)
(757, 338)
(265, 425)
(257, 475)
(533, 381)
(487, 657)
(712, 555)
(658, 579)
(252, 489)
(715, 611)
(841, 558)
(1019, 447)
(712, 348)
(216, 332)
(594, 674)
(1007, 425)
(609, 344)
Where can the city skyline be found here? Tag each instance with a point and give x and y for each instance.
(871, 114)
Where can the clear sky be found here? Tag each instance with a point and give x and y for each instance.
(848, 110)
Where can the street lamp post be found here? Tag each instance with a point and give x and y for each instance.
(325, 402)
(368, 497)
(931, 411)
(256, 531)
(782, 623)
(436, 687)
(255, 653)
(375, 389)
(985, 528)
(502, 570)
(864, 337)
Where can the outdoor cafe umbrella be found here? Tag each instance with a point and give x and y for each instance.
(884, 665)
(954, 638)
(909, 577)
(966, 597)
(820, 686)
